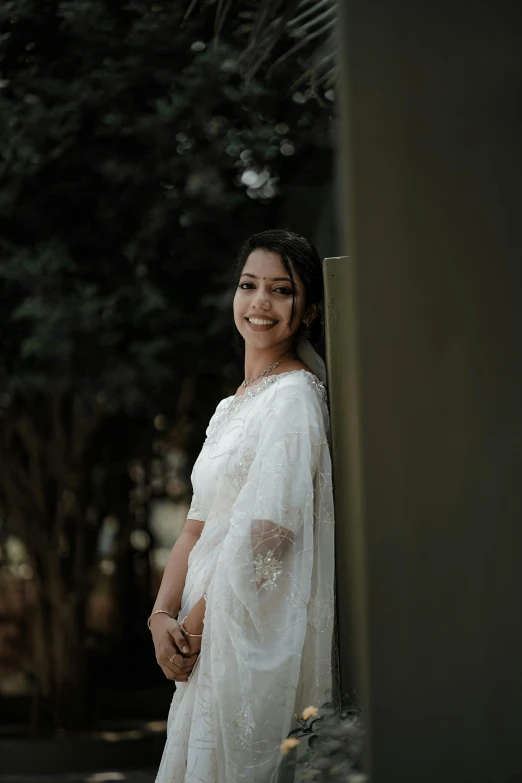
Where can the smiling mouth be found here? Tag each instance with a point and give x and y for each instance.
(260, 324)
(261, 321)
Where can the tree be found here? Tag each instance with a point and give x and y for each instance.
(133, 161)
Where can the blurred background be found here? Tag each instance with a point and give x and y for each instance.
(140, 144)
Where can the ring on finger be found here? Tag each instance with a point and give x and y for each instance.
(172, 659)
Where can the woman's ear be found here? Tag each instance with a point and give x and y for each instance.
(310, 314)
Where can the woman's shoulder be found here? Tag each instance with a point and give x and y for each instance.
(299, 389)
(299, 396)
(219, 413)
(295, 386)
(302, 380)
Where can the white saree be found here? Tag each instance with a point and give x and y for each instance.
(265, 563)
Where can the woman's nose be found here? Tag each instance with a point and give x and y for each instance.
(261, 300)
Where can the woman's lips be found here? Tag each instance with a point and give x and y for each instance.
(260, 327)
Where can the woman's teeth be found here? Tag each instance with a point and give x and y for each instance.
(260, 322)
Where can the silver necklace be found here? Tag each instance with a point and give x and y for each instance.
(272, 367)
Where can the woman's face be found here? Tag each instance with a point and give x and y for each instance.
(263, 302)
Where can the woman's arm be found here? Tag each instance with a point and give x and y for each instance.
(173, 581)
(166, 632)
(267, 539)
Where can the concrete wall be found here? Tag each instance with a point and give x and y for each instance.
(425, 344)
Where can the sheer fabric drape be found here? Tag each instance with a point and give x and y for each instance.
(265, 563)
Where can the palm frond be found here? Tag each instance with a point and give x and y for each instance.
(305, 41)
(309, 23)
(268, 28)
(314, 14)
(222, 13)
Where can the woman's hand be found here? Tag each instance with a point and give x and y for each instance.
(194, 642)
(169, 642)
(193, 624)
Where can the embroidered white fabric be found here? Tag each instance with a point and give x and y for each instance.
(265, 563)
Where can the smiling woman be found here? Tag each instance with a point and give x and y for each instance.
(253, 576)
(280, 283)
(267, 302)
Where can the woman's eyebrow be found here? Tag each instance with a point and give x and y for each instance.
(273, 279)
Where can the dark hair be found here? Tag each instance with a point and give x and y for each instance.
(296, 251)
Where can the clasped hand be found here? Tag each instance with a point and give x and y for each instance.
(170, 643)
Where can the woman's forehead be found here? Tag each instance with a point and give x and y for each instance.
(267, 264)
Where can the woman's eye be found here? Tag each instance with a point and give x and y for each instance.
(279, 290)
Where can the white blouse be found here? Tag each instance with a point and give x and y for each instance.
(265, 564)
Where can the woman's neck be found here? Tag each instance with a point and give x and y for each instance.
(257, 361)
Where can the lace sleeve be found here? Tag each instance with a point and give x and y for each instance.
(196, 510)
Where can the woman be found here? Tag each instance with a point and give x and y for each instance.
(251, 578)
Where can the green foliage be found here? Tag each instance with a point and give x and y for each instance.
(134, 160)
(124, 137)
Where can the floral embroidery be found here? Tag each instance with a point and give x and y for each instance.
(320, 613)
(239, 470)
(243, 724)
(267, 568)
